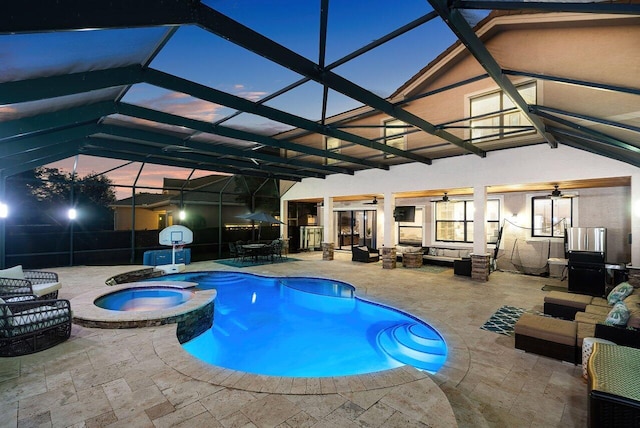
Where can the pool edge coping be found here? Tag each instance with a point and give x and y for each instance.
(173, 354)
(87, 314)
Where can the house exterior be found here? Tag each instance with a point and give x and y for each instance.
(521, 166)
(210, 201)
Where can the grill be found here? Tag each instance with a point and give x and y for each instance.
(586, 272)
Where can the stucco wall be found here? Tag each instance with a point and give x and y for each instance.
(608, 207)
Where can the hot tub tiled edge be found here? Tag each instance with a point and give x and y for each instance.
(87, 314)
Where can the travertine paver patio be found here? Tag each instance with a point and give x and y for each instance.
(142, 377)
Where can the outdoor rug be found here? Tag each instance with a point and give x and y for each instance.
(553, 288)
(503, 320)
(248, 263)
(434, 268)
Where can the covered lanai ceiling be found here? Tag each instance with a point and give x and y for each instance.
(216, 86)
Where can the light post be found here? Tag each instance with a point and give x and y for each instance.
(72, 214)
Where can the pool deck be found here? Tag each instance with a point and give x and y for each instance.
(142, 377)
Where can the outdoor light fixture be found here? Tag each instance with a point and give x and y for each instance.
(72, 214)
(182, 214)
(4, 210)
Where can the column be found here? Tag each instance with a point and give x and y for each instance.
(389, 239)
(480, 258)
(328, 245)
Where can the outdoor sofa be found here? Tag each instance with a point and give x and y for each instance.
(29, 324)
(15, 280)
(365, 254)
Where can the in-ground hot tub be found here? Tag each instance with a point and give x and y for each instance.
(146, 304)
(143, 299)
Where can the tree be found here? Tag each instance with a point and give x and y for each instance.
(43, 196)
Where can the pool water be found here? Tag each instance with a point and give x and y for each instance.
(307, 327)
(143, 299)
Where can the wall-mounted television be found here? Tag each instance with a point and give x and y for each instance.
(405, 213)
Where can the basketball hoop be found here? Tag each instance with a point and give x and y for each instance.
(176, 236)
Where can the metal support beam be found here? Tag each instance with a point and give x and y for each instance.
(159, 151)
(174, 83)
(590, 133)
(20, 128)
(225, 27)
(172, 161)
(162, 117)
(583, 142)
(588, 118)
(607, 7)
(29, 143)
(456, 22)
(66, 84)
(594, 85)
(30, 16)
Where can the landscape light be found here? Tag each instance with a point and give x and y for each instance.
(4, 210)
(72, 214)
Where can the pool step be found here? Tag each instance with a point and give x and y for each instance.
(415, 345)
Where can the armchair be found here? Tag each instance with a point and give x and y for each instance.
(365, 254)
(29, 326)
(44, 285)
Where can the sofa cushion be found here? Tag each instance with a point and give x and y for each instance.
(587, 318)
(574, 300)
(451, 253)
(464, 253)
(547, 328)
(620, 291)
(619, 315)
(13, 272)
(598, 310)
(584, 330)
(45, 288)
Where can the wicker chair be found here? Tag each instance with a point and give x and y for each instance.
(43, 284)
(28, 326)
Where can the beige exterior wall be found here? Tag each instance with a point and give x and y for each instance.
(146, 219)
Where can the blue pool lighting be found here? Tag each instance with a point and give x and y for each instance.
(143, 299)
(307, 327)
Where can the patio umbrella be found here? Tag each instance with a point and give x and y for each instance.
(261, 217)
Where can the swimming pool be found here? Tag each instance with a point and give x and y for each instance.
(143, 299)
(307, 327)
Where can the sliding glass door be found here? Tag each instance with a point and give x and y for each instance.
(355, 228)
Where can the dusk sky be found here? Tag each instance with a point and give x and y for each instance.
(197, 55)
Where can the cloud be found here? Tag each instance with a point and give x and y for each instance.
(184, 105)
(7, 113)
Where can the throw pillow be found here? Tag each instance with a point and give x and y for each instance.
(619, 315)
(433, 251)
(620, 291)
(13, 273)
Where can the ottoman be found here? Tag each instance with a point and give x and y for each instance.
(551, 337)
(560, 304)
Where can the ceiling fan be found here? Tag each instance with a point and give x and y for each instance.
(373, 202)
(445, 198)
(557, 194)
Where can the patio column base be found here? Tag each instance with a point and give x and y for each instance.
(480, 267)
(388, 257)
(327, 250)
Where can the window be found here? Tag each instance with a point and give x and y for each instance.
(550, 216)
(332, 144)
(492, 122)
(395, 135)
(454, 221)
